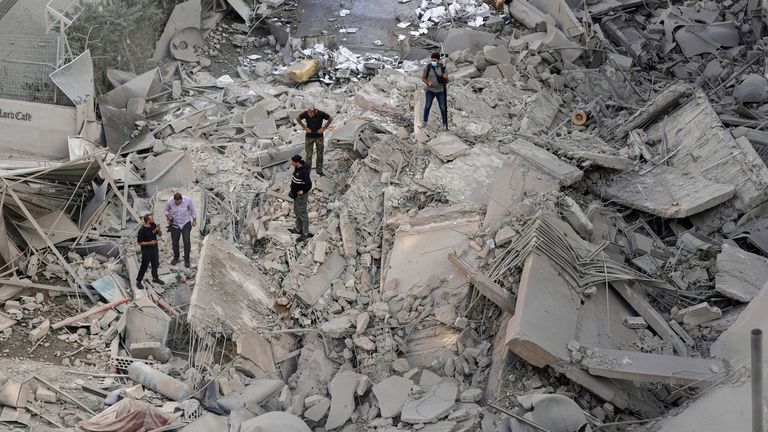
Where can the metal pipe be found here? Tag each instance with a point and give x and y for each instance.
(757, 380)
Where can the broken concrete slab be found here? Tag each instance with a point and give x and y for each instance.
(485, 285)
(644, 367)
(740, 274)
(231, 295)
(313, 289)
(699, 314)
(496, 55)
(392, 394)
(467, 178)
(527, 14)
(254, 347)
(438, 399)
(656, 108)
(57, 225)
(556, 413)
(447, 146)
(342, 389)
(169, 170)
(515, 181)
(708, 149)
(275, 421)
(752, 89)
(562, 14)
(317, 411)
(544, 161)
(463, 39)
(666, 192)
(541, 113)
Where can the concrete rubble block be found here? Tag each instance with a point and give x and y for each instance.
(14, 394)
(255, 114)
(362, 322)
(527, 14)
(740, 274)
(365, 343)
(562, 14)
(46, 395)
(643, 367)
(666, 192)
(321, 250)
(342, 389)
(40, 331)
(336, 327)
(254, 347)
(471, 395)
(369, 98)
(469, 71)
(447, 146)
(554, 412)
(317, 411)
(437, 400)
(467, 39)
(513, 184)
(565, 173)
(275, 421)
(656, 108)
(540, 114)
(317, 284)
(699, 314)
(576, 217)
(265, 129)
(493, 72)
(504, 235)
(446, 314)
(257, 392)
(231, 295)
(753, 89)
(496, 55)
(466, 177)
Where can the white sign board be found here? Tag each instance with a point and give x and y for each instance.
(36, 130)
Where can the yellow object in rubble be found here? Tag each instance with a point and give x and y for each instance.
(302, 70)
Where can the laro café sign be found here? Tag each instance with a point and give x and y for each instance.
(18, 115)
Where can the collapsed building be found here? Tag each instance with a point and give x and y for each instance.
(583, 249)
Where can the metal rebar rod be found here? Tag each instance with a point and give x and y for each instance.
(757, 380)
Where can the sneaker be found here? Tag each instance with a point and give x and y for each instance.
(186, 264)
(423, 125)
(309, 235)
(158, 281)
(175, 261)
(139, 285)
(301, 238)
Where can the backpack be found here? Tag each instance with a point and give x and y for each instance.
(440, 78)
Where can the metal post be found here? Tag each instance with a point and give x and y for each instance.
(757, 380)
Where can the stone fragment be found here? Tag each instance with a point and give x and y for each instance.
(40, 332)
(46, 395)
(342, 389)
(471, 395)
(438, 399)
(362, 322)
(496, 55)
(392, 394)
(699, 314)
(317, 411)
(365, 343)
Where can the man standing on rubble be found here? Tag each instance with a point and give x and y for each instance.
(301, 184)
(436, 79)
(150, 253)
(181, 216)
(311, 121)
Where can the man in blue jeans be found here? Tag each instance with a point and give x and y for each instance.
(435, 78)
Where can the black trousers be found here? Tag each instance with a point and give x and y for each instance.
(183, 232)
(149, 255)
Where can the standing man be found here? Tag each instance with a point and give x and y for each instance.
(435, 79)
(313, 125)
(181, 216)
(301, 184)
(150, 254)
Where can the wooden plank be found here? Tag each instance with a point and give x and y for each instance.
(486, 286)
(651, 315)
(639, 366)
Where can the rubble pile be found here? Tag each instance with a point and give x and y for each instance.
(582, 249)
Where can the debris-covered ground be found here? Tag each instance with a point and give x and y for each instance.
(583, 249)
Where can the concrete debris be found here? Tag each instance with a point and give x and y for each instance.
(599, 156)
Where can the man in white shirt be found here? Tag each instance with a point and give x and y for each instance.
(182, 216)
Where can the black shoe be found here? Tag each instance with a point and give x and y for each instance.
(321, 174)
(175, 261)
(309, 235)
(158, 281)
(301, 238)
(294, 231)
(186, 264)
(139, 285)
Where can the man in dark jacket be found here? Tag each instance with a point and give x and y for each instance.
(147, 239)
(311, 121)
(301, 184)
(435, 78)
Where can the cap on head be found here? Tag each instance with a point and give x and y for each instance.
(435, 56)
(297, 159)
(177, 196)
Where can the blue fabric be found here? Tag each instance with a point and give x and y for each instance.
(442, 102)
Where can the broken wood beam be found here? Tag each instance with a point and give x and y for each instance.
(654, 319)
(490, 289)
(89, 312)
(639, 366)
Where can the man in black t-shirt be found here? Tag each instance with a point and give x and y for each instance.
(311, 121)
(150, 254)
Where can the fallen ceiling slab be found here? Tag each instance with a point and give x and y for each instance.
(75, 78)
